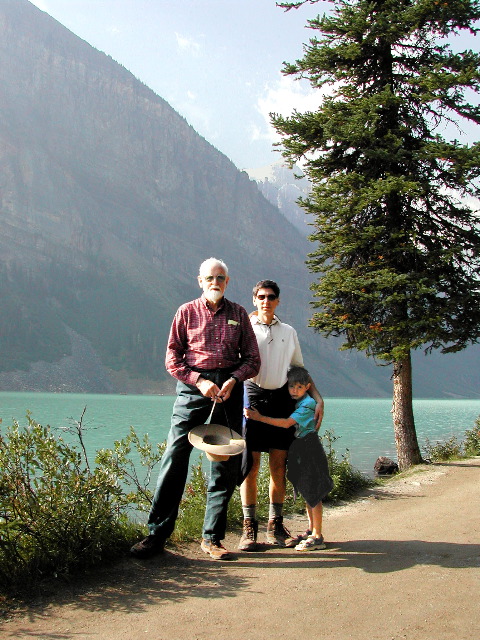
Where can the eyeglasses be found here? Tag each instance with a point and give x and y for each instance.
(269, 296)
(220, 278)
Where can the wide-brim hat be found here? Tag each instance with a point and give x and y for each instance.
(218, 442)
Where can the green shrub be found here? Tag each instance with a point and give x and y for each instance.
(347, 480)
(452, 449)
(55, 513)
(59, 514)
(471, 442)
(443, 450)
(134, 480)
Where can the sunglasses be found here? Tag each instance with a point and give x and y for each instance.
(270, 296)
(220, 278)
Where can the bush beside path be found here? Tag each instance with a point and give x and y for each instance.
(402, 563)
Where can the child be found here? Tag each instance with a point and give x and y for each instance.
(307, 463)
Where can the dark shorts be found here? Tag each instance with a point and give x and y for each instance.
(274, 403)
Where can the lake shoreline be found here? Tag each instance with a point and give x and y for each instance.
(362, 428)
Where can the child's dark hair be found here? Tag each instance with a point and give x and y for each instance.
(298, 375)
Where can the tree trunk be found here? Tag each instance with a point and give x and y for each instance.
(408, 451)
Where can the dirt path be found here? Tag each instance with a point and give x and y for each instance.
(401, 563)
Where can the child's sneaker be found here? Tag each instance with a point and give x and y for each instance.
(311, 544)
(306, 535)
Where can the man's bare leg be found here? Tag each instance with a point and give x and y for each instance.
(276, 532)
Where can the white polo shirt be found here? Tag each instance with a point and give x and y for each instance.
(279, 349)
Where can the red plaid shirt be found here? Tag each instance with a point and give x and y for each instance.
(204, 339)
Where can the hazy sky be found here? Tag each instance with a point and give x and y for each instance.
(217, 62)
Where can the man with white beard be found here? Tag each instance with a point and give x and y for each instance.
(211, 350)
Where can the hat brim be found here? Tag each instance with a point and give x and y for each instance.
(217, 440)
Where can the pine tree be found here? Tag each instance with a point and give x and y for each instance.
(397, 235)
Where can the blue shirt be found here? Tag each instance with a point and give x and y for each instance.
(304, 416)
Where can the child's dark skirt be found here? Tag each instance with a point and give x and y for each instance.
(307, 469)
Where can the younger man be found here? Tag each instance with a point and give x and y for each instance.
(307, 463)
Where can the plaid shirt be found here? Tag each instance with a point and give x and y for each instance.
(203, 339)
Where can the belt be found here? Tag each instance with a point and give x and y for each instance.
(218, 370)
(215, 375)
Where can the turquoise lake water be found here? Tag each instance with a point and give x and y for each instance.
(363, 426)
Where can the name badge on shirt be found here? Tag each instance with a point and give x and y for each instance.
(233, 322)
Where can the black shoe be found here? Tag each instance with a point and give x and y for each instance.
(149, 546)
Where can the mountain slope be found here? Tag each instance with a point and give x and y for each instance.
(109, 201)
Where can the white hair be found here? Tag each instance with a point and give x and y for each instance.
(210, 263)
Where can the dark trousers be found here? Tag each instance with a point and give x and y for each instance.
(192, 409)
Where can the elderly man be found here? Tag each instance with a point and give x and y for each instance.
(268, 392)
(211, 350)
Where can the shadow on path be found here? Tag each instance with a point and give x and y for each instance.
(134, 585)
(375, 556)
(131, 586)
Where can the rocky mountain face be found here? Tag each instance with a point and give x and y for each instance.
(283, 187)
(109, 201)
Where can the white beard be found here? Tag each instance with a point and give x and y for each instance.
(214, 296)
